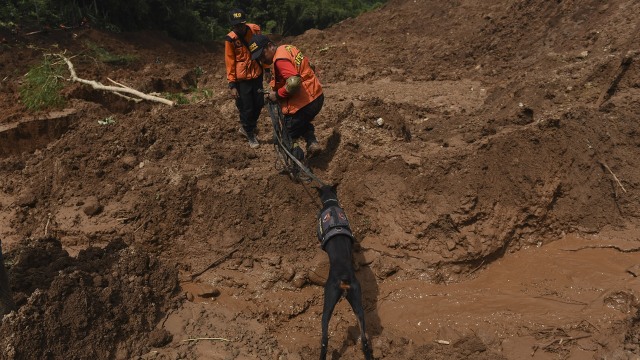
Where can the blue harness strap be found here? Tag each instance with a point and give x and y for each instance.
(333, 221)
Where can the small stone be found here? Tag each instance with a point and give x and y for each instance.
(634, 270)
(128, 161)
(289, 274)
(27, 198)
(248, 263)
(319, 269)
(92, 206)
(299, 280)
(159, 338)
(207, 291)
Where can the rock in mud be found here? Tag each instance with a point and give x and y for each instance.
(92, 206)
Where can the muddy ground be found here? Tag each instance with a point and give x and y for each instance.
(495, 205)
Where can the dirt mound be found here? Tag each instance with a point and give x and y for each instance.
(485, 153)
(104, 303)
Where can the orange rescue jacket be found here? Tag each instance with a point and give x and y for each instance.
(237, 57)
(310, 88)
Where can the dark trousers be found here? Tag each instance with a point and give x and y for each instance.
(299, 124)
(249, 103)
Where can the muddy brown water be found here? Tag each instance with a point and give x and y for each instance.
(493, 140)
(539, 289)
(569, 289)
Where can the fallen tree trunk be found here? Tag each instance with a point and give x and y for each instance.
(6, 301)
(115, 89)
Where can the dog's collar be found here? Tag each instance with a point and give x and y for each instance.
(326, 201)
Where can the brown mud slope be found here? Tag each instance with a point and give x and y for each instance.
(495, 204)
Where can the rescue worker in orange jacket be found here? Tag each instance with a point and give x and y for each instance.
(244, 74)
(296, 87)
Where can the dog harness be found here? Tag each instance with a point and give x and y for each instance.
(331, 222)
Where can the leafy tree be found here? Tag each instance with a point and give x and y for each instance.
(197, 20)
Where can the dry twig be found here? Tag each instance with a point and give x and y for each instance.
(478, 267)
(216, 262)
(614, 176)
(206, 338)
(46, 227)
(560, 341)
(138, 228)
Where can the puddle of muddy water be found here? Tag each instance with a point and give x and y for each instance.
(572, 283)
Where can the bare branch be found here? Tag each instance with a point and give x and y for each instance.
(115, 89)
(614, 176)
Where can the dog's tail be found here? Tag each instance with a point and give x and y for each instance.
(345, 284)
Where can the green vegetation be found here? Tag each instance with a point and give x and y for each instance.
(192, 20)
(198, 71)
(107, 121)
(42, 85)
(109, 58)
(192, 97)
(178, 98)
(201, 94)
(293, 17)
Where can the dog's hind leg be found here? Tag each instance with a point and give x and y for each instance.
(332, 293)
(354, 296)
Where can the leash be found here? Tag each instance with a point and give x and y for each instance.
(276, 118)
(313, 198)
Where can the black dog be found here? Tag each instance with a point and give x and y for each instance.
(337, 240)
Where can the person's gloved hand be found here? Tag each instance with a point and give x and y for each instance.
(272, 96)
(234, 93)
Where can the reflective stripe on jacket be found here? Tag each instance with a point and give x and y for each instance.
(237, 57)
(310, 88)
